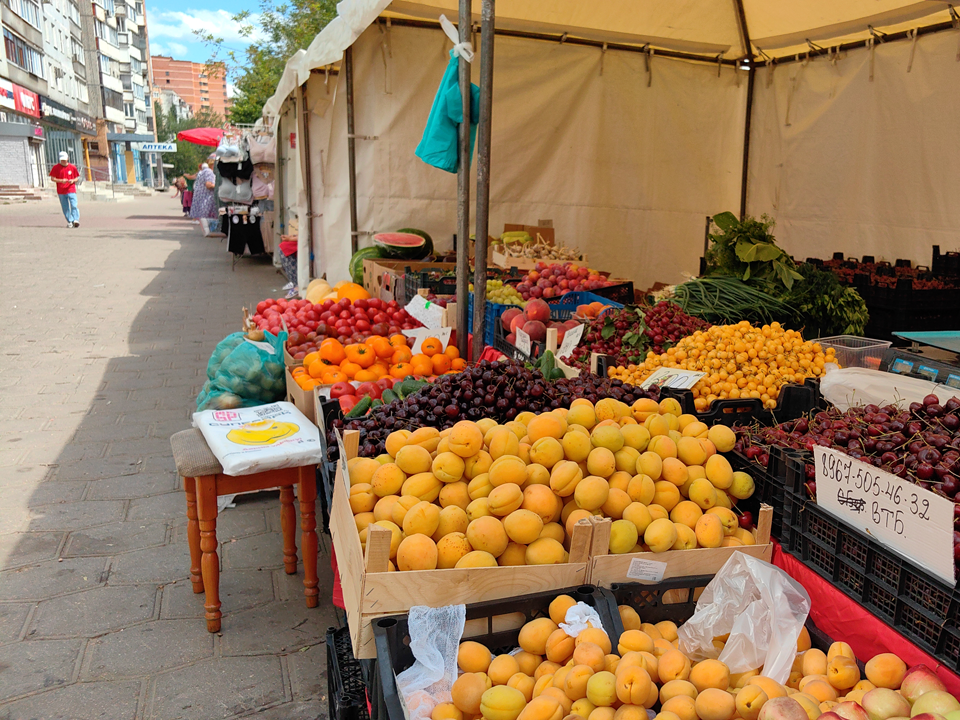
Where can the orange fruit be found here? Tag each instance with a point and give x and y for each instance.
(350, 369)
(401, 370)
(458, 364)
(365, 375)
(441, 363)
(431, 346)
(332, 351)
(382, 347)
(310, 358)
(452, 352)
(398, 340)
(401, 355)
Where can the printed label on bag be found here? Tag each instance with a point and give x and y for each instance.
(647, 570)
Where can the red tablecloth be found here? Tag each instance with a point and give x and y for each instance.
(845, 619)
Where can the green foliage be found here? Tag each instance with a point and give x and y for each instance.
(748, 251)
(283, 29)
(188, 156)
(823, 307)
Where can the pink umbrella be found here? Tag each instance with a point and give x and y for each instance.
(201, 136)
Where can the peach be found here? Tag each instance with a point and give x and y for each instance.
(633, 686)
(919, 680)
(446, 711)
(782, 708)
(681, 705)
(938, 702)
(714, 704)
(882, 703)
(850, 711)
(467, 691)
(842, 672)
(674, 665)
(575, 682)
(710, 674)
(886, 670)
(809, 704)
(602, 689)
(749, 701)
(451, 548)
(545, 551)
(475, 559)
(453, 494)
(534, 634)
(423, 519)
(660, 535)
(709, 530)
(502, 668)
(502, 703)
(424, 485)
(641, 489)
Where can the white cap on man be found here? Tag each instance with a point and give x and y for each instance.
(64, 156)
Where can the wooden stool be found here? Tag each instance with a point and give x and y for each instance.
(203, 480)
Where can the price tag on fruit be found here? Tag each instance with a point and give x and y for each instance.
(523, 342)
(429, 314)
(672, 378)
(570, 340)
(914, 522)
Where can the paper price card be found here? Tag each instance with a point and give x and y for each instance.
(673, 378)
(647, 570)
(570, 340)
(914, 522)
(523, 342)
(421, 334)
(428, 313)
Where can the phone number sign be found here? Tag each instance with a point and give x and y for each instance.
(913, 522)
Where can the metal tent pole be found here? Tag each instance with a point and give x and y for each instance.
(463, 188)
(748, 115)
(487, 14)
(351, 151)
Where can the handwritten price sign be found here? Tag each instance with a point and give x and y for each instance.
(914, 522)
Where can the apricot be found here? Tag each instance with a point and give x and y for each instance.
(681, 705)
(363, 519)
(686, 512)
(603, 713)
(602, 689)
(480, 486)
(502, 441)
(703, 493)
(515, 554)
(559, 647)
(559, 606)
(809, 704)
(660, 535)
(528, 662)
(597, 637)
(565, 477)
(641, 489)
(601, 462)
(814, 662)
(534, 634)
(842, 672)
(582, 415)
(747, 538)
(674, 471)
(453, 519)
(634, 641)
(821, 690)
(667, 629)
(504, 499)
(507, 469)
(451, 548)
(840, 648)
(772, 688)
(424, 485)
(502, 668)
(522, 682)
(475, 559)
(714, 704)
(591, 493)
(749, 701)
(667, 716)
(651, 630)
(502, 703)
(417, 552)
(710, 674)
(616, 502)
(666, 494)
(629, 617)
(362, 470)
(396, 440)
(423, 518)
(639, 515)
(477, 464)
(650, 464)
(362, 499)
(626, 460)
(657, 512)
(591, 655)
(472, 657)
(546, 425)
(465, 439)
(545, 551)
(719, 472)
(575, 682)
(486, 533)
(467, 691)
(709, 531)
(886, 670)
(446, 711)
(413, 459)
(674, 665)
(623, 536)
(633, 686)
(554, 531)
(581, 709)
(542, 708)
(674, 688)
(454, 494)
(478, 508)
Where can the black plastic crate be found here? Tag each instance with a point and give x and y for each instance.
(503, 620)
(346, 691)
(921, 607)
(770, 483)
(945, 264)
(414, 281)
(621, 292)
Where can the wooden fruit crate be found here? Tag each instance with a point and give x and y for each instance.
(606, 569)
(370, 592)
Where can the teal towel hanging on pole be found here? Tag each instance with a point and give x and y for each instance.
(438, 147)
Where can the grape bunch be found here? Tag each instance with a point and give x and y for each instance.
(502, 294)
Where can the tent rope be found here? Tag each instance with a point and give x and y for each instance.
(465, 49)
(603, 54)
(913, 34)
(648, 62)
(871, 46)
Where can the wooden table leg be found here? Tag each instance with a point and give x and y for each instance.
(288, 524)
(193, 534)
(209, 561)
(307, 494)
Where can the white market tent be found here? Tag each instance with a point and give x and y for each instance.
(624, 121)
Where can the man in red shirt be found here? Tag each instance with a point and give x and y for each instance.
(65, 175)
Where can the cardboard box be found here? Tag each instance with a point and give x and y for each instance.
(381, 277)
(302, 399)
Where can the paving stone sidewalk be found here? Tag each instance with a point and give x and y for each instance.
(107, 333)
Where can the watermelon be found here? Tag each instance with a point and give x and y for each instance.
(356, 262)
(428, 249)
(401, 246)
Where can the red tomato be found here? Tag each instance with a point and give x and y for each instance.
(347, 402)
(386, 383)
(340, 389)
(371, 389)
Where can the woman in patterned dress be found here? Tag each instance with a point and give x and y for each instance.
(204, 202)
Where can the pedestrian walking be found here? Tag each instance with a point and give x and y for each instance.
(204, 203)
(65, 175)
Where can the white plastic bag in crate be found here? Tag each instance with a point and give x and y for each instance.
(264, 437)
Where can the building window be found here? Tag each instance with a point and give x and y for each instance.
(105, 32)
(27, 9)
(111, 98)
(22, 54)
(136, 67)
(138, 92)
(109, 67)
(142, 117)
(128, 109)
(107, 5)
(167, 73)
(77, 50)
(74, 14)
(168, 82)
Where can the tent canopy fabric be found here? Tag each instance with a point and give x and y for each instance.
(201, 136)
(707, 28)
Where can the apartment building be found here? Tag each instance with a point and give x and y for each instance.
(74, 77)
(200, 86)
(169, 100)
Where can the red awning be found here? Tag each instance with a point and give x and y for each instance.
(201, 136)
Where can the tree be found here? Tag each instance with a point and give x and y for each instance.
(256, 71)
(188, 156)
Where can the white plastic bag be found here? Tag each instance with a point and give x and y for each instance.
(259, 438)
(849, 387)
(760, 606)
(434, 640)
(580, 617)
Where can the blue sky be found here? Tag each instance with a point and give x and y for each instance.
(171, 27)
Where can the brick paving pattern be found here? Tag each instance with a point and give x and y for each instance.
(107, 334)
